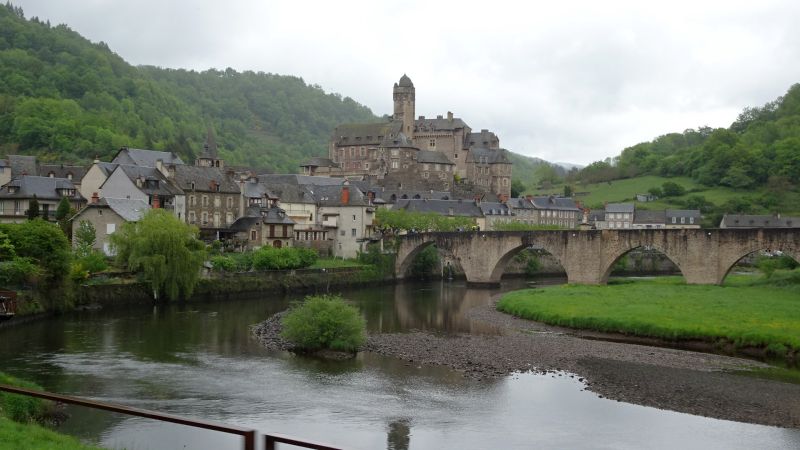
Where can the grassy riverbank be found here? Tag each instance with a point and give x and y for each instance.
(749, 311)
(18, 422)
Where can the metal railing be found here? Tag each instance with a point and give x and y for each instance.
(270, 441)
(249, 435)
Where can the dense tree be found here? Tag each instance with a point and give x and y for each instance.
(517, 188)
(397, 220)
(33, 208)
(63, 97)
(672, 189)
(43, 243)
(164, 250)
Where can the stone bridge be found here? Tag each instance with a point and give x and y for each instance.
(704, 256)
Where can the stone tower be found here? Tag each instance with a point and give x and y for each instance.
(404, 104)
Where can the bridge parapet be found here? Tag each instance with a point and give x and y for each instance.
(704, 256)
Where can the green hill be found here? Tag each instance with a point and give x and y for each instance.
(65, 98)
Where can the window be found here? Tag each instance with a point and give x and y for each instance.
(191, 200)
(111, 228)
(424, 174)
(205, 200)
(394, 164)
(363, 152)
(230, 202)
(456, 155)
(395, 153)
(192, 217)
(432, 143)
(353, 232)
(674, 220)
(205, 218)
(342, 233)
(683, 219)
(252, 235)
(691, 220)
(228, 218)
(285, 231)
(366, 166)
(354, 217)
(426, 166)
(438, 167)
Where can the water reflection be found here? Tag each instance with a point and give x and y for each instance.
(200, 360)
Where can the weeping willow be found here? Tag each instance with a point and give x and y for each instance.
(164, 250)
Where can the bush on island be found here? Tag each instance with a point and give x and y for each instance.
(324, 322)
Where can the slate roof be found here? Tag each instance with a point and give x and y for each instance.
(299, 179)
(129, 209)
(424, 124)
(273, 215)
(459, 207)
(204, 178)
(427, 156)
(210, 146)
(145, 158)
(365, 133)
(493, 156)
(293, 193)
(45, 188)
(520, 203)
(22, 165)
(758, 221)
(62, 170)
(386, 195)
(319, 162)
(695, 213)
(644, 216)
(149, 173)
(482, 139)
(332, 196)
(619, 208)
(106, 167)
(405, 81)
(257, 190)
(495, 209)
(558, 203)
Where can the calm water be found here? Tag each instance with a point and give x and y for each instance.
(200, 360)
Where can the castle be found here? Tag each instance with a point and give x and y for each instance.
(417, 154)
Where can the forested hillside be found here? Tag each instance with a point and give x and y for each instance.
(67, 99)
(761, 148)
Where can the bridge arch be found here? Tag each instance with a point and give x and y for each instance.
(502, 262)
(405, 259)
(727, 264)
(614, 257)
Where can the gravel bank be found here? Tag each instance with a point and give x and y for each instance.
(690, 382)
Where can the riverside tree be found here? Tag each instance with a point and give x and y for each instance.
(164, 250)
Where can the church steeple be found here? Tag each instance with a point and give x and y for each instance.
(209, 157)
(403, 94)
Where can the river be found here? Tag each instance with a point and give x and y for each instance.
(200, 360)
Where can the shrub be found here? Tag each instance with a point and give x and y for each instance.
(21, 408)
(271, 258)
(324, 322)
(672, 189)
(223, 263)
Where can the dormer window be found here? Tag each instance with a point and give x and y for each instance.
(69, 176)
(51, 174)
(12, 189)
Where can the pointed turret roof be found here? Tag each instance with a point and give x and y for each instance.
(210, 147)
(405, 81)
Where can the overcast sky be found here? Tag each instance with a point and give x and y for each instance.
(564, 81)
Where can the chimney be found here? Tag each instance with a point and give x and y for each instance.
(529, 197)
(605, 205)
(95, 198)
(477, 198)
(156, 202)
(345, 195)
(160, 165)
(370, 196)
(449, 116)
(96, 159)
(439, 117)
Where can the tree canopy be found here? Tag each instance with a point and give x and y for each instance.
(164, 250)
(65, 98)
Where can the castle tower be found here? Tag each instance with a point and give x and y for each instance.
(404, 104)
